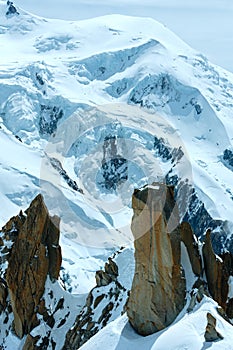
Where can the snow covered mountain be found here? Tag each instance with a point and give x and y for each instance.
(91, 110)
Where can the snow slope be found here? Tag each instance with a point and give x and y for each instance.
(208, 24)
(185, 333)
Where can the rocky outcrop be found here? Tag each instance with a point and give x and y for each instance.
(158, 290)
(49, 117)
(114, 166)
(32, 241)
(110, 273)
(188, 238)
(211, 334)
(107, 298)
(56, 164)
(11, 11)
(218, 269)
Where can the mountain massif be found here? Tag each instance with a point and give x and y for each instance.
(116, 165)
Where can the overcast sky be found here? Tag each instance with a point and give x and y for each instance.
(206, 25)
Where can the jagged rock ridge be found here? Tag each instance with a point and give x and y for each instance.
(35, 309)
(104, 303)
(158, 291)
(30, 242)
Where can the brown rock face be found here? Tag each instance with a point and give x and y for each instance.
(3, 295)
(29, 343)
(110, 273)
(35, 254)
(229, 309)
(158, 290)
(211, 334)
(213, 268)
(187, 237)
(218, 271)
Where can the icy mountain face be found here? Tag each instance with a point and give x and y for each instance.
(91, 110)
(48, 74)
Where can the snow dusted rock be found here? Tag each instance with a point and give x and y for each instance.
(49, 117)
(11, 11)
(158, 290)
(34, 254)
(211, 334)
(104, 303)
(103, 278)
(114, 165)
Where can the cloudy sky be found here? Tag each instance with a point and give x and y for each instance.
(206, 25)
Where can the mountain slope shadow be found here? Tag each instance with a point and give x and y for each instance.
(136, 341)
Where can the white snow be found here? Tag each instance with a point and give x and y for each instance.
(71, 307)
(186, 264)
(205, 25)
(186, 333)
